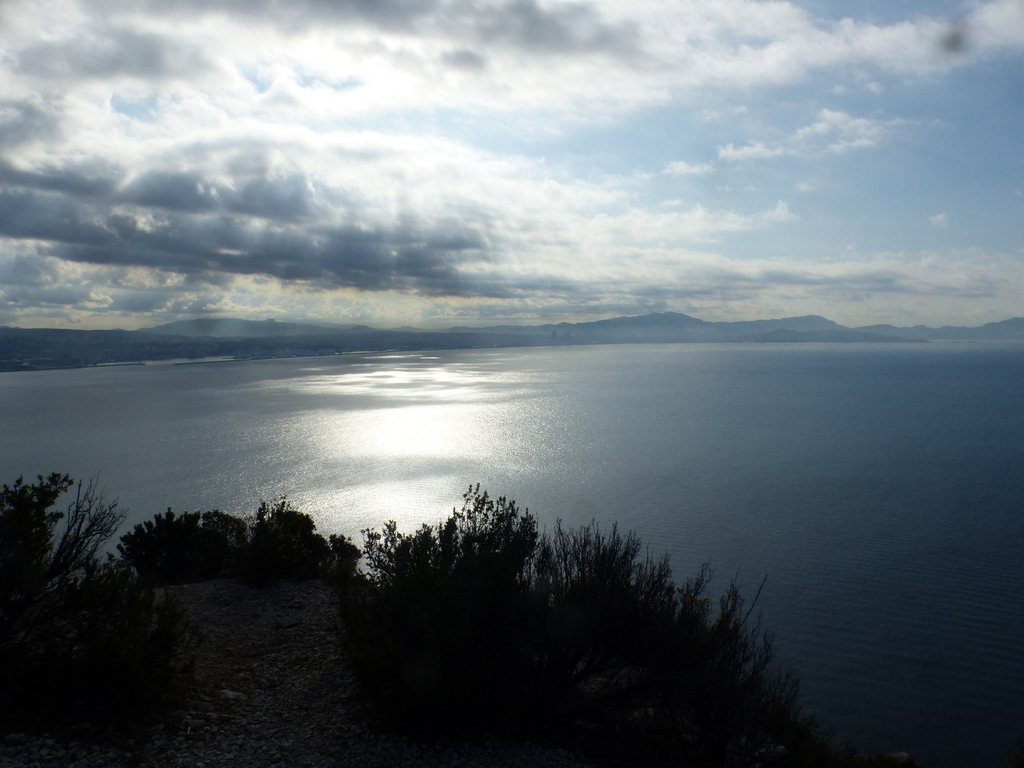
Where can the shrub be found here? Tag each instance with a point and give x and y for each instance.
(438, 628)
(278, 541)
(281, 542)
(172, 549)
(341, 565)
(78, 634)
(608, 611)
(481, 622)
(726, 703)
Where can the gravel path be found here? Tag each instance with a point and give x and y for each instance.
(270, 690)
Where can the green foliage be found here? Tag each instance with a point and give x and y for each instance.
(480, 622)
(78, 633)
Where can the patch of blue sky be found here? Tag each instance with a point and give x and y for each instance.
(340, 85)
(884, 12)
(144, 108)
(262, 80)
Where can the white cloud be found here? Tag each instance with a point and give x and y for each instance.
(995, 25)
(682, 168)
(833, 132)
(939, 221)
(755, 151)
(580, 58)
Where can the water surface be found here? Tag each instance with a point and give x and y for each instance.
(880, 487)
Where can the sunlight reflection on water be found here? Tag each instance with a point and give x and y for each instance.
(419, 433)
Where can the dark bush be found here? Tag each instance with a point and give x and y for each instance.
(609, 615)
(726, 703)
(80, 635)
(230, 529)
(344, 557)
(438, 630)
(171, 549)
(1015, 756)
(480, 622)
(278, 541)
(281, 542)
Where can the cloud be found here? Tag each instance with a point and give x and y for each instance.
(27, 120)
(549, 28)
(464, 59)
(470, 224)
(110, 52)
(995, 25)
(290, 197)
(755, 151)
(939, 221)
(833, 132)
(682, 168)
(570, 58)
(86, 179)
(840, 132)
(221, 154)
(420, 258)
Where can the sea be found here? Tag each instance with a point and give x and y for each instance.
(877, 490)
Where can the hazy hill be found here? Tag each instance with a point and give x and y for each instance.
(677, 327)
(654, 327)
(229, 327)
(34, 348)
(1005, 329)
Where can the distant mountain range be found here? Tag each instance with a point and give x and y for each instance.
(35, 348)
(232, 328)
(656, 327)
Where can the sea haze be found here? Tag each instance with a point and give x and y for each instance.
(879, 487)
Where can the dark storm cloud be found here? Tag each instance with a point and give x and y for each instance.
(420, 257)
(95, 181)
(297, 14)
(25, 121)
(48, 296)
(112, 52)
(28, 214)
(24, 270)
(175, 191)
(286, 198)
(142, 301)
(564, 28)
(465, 60)
(29, 281)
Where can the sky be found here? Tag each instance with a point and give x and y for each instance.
(474, 162)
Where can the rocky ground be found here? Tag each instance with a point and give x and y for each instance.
(269, 690)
